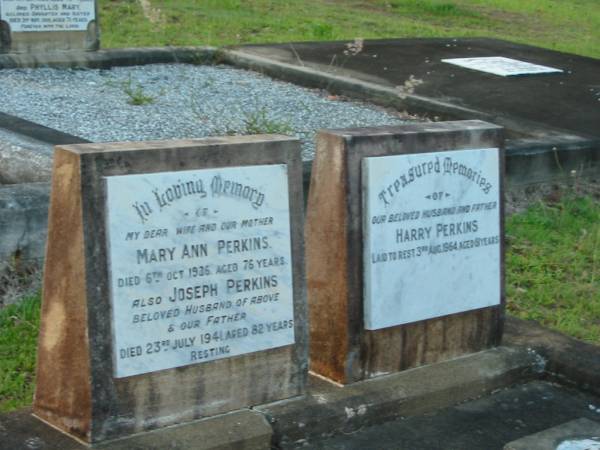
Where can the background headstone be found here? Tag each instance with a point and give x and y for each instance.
(173, 285)
(48, 25)
(404, 247)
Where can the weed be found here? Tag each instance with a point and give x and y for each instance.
(135, 93)
(17, 280)
(258, 122)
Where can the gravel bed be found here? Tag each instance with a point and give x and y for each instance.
(187, 102)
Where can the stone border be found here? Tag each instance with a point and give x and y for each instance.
(36, 131)
(24, 220)
(104, 59)
(327, 409)
(569, 361)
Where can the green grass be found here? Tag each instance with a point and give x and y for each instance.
(553, 267)
(18, 343)
(572, 26)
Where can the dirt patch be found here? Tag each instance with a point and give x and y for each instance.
(18, 280)
(519, 198)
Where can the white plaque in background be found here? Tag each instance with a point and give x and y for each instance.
(199, 266)
(502, 66)
(48, 15)
(431, 235)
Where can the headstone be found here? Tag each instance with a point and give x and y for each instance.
(173, 287)
(48, 25)
(404, 247)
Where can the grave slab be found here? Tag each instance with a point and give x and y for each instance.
(169, 293)
(488, 422)
(404, 239)
(551, 120)
(579, 434)
(564, 102)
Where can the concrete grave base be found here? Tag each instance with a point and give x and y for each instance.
(244, 430)
(534, 353)
(327, 409)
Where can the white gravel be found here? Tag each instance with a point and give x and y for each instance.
(189, 101)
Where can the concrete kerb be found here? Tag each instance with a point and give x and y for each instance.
(24, 206)
(243, 429)
(326, 410)
(24, 221)
(568, 361)
(105, 59)
(330, 409)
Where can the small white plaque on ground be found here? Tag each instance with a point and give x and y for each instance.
(48, 15)
(431, 235)
(499, 65)
(199, 266)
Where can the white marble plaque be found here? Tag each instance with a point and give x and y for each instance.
(499, 65)
(200, 266)
(431, 235)
(48, 15)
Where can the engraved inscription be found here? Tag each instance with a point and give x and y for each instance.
(48, 15)
(200, 266)
(431, 235)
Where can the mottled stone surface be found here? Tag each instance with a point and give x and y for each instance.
(341, 348)
(76, 388)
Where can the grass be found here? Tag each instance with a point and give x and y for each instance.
(18, 343)
(553, 266)
(572, 26)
